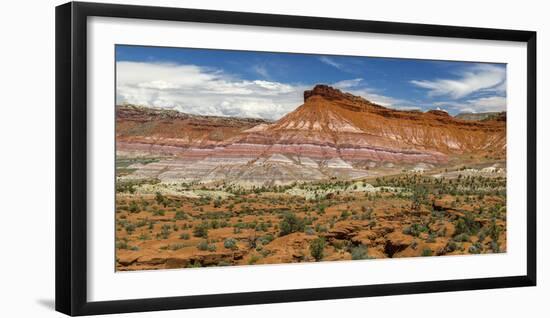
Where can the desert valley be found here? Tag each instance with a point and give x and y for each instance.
(338, 178)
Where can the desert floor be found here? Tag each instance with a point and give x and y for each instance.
(445, 211)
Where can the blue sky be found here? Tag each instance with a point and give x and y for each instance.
(269, 85)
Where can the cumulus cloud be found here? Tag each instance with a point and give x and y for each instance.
(481, 77)
(203, 91)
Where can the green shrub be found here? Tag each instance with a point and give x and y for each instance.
(141, 223)
(290, 224)
(165, 231)
(123, 245)
(180, 215)
(494, 231)
(320, 228)
(160, 199)
(133, 208)
(321, 209)
(158, 212)
(184, 236)
(344, 215)
(201, 230)
(475, 249)
(316, 248)
(214, 224)
(415, 229)
(253, 259)
(462, 237)
(466, 224)
(195, 264)
(263, 227)
(427, 252)
(177, 246)
(481, 236)
(203, 245)
(144, 237)
(266, 239)
(130, 228)
(451, 247)
(359, 252)
(230, 243)
(460, 226)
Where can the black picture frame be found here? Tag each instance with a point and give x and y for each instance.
(71, 157)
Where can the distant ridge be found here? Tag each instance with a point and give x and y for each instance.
(481, 116)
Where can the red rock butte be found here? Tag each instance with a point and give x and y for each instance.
(330, 129)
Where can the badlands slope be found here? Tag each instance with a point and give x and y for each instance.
(332, 135)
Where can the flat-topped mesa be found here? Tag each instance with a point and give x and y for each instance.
(323, 90)
(331, 93)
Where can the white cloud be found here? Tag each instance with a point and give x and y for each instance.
(197, 90)
(499, 89)
(331, 62)
(348, 83)
(261, 70)
(477, 105)
(481, 77)
(488, 104)
(355, 86)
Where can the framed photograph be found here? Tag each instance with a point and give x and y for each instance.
(208, 158)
